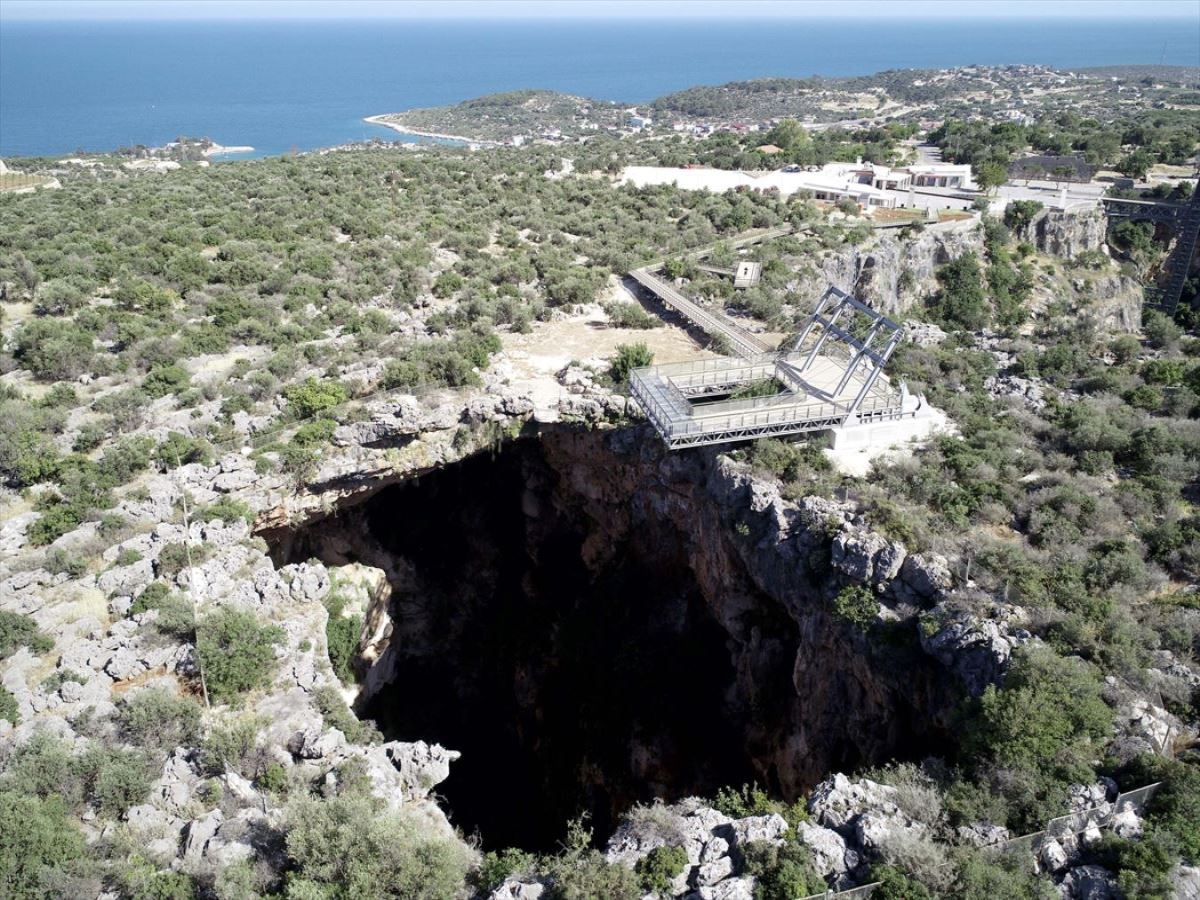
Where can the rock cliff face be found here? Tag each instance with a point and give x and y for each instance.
(1066, 233)
(581, 611)
(894, 273)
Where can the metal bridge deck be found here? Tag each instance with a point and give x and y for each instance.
(741, 341)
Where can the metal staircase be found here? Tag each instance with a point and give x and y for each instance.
(1179, 265)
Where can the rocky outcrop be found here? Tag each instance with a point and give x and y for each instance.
(713, 842)
(976, 649)
(892, 273)
(1066, 233)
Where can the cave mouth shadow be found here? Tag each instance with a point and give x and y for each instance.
(568, 687)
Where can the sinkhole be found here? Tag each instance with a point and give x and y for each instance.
(561, 623)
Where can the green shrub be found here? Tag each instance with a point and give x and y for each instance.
(313, 396)
(174, 558)
(1047, 704)
(299, 462)
(961, 302)
(227, 510)
(150, 597)
(175, 618)
(55, 521)
(580, 873)
(781, 872)
(181, 450)
(142, 880)
(1174, 811)
(980, 876)
(895, 885)
(499, 865)
(236, 652)
(752, 800)
(629, 357)
(64, 562)
(233, 747)
(336, 714)
(273, 779)
(658, 868)
(343, 849)
(52, 683)
(36, 839)
(1125, 348)
(114, 779)
(1020, 213)
(17, 631)
(8, 707)
(159, 718)
(857, 605)
(165, 379)
(1144, 868)
(27, 457)
(316, 433)
(631, 315)
(54, 350)
(342, 636)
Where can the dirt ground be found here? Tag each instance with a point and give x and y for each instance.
(530, 361)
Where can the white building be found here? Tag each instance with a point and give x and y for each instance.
(821, 184)
(947, 175)
(885, 178)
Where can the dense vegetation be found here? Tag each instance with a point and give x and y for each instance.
(265, 298)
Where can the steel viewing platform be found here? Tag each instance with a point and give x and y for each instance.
(830, 376)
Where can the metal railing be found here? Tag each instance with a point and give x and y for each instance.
(741, 341)
(1075, 823)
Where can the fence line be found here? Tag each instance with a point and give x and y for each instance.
(1075, 823)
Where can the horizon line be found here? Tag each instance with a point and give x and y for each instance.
(821, 17)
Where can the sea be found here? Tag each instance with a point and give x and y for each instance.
(281, 86)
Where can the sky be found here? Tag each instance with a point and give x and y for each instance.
(1188, 11)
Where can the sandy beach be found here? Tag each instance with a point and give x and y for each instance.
(218, 150)
(404, 129)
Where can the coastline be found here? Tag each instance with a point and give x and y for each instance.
(218, 150)
(404, 129)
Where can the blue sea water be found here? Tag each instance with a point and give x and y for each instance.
(299, 85)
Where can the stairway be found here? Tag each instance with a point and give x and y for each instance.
(1166, 298)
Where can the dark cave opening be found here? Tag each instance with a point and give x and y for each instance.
(569, 687)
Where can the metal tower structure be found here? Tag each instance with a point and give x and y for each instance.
(1184, 220)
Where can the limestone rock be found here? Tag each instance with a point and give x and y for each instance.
(199, 833)
(867, 556)
(1089, 883)
(829, 851)
(1126, 823)
(1185, 882)
(838, 801)
(924, 334)
(983, 834)
(515, 889)
(977, 650)
(875, 829)
(1066, 233)
(1051, 856)
(316, 743)
(757, 828)
(729, 889)
(710, 873)
(924, 578)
